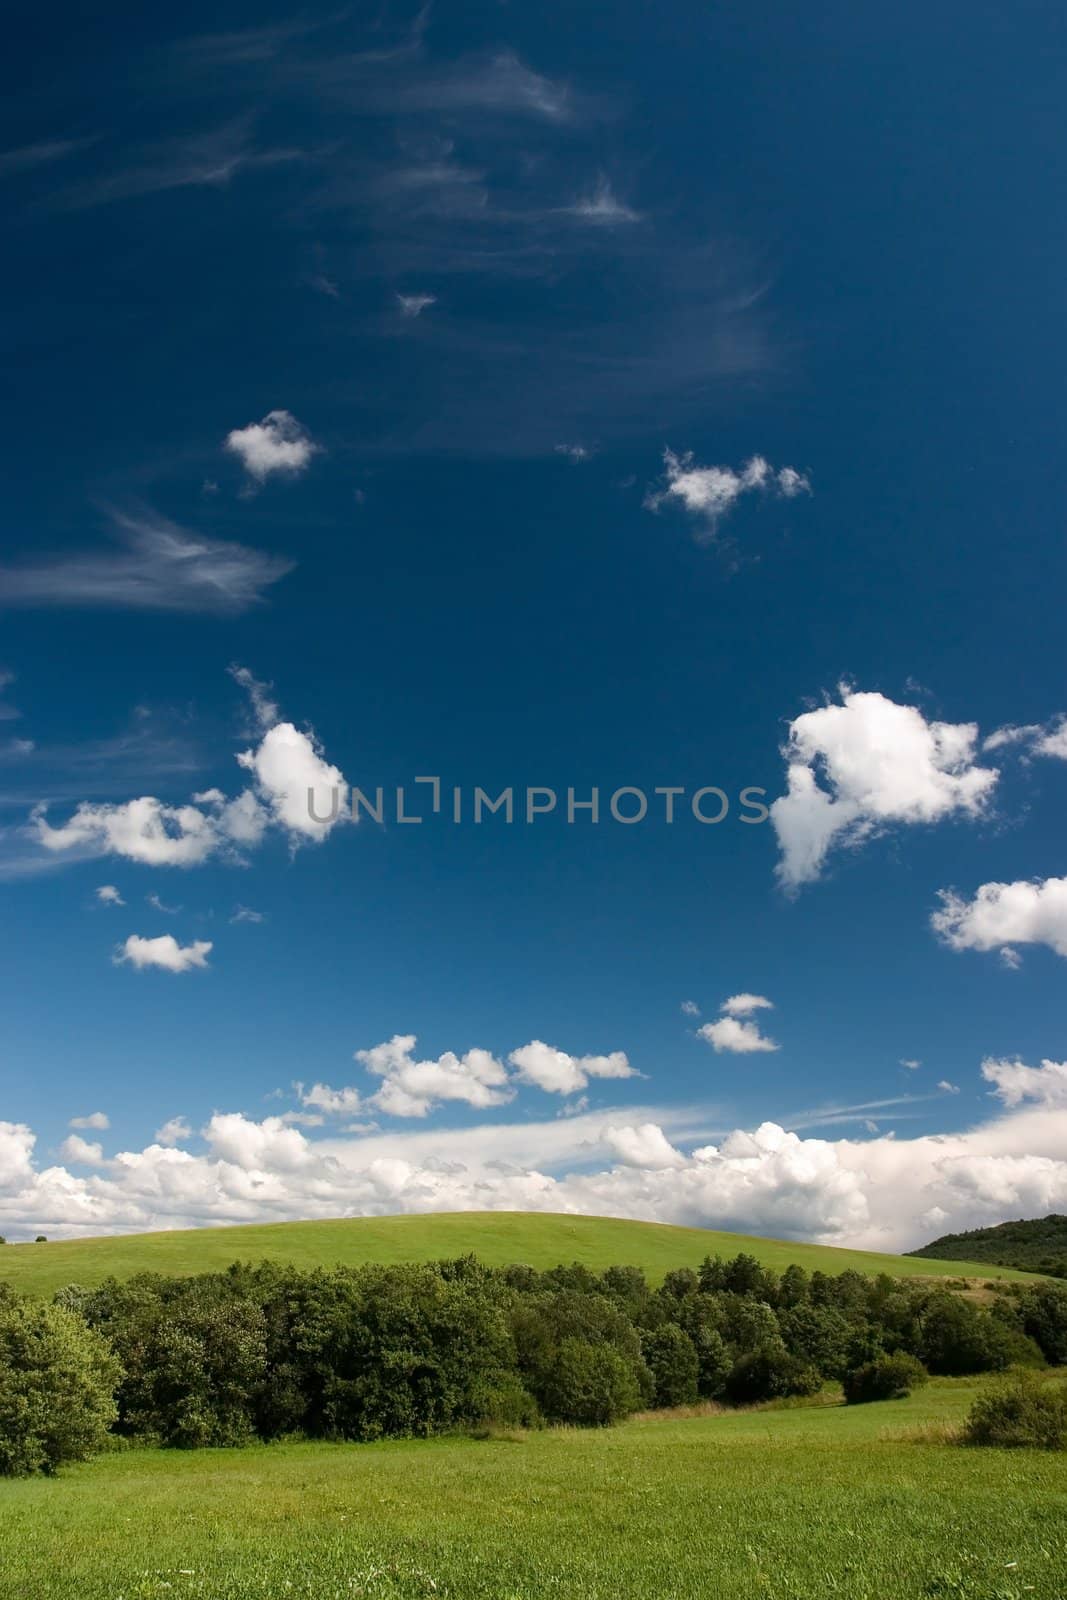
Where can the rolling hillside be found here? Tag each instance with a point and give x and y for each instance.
(1035, 1245)
(497, 1237)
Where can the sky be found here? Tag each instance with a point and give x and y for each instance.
(421, 416)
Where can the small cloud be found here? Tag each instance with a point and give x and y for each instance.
(729, 1033)
(742, 1005)
(1035, 738)
(690, 1008)
(99, 1121)
(602, 207)
(324, 285)
(870, 1125)
(948, 1088)
(246, 914)
(736, 1038)
(278, 446)
(173, 1132)
(264, 709)
(82, 1151)
(1010, 958)
(108, 895)
(911, 1062)
(413, 305)
(164, 952)
(158, 905)
(709, 493)
(574, 452)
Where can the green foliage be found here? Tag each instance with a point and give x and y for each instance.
(769, 1373)
(1037, 1245)
(589, 1384)
(886, 1378)
(956, 1337)
(57, 1380)
(671, 1358)
(1043, 1317)
(1023, 1412)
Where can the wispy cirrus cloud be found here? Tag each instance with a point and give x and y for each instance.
(154, 565)
(209, 159)
(29, 157)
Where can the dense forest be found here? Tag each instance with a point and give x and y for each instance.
(267, 1351)
(1038, 1245)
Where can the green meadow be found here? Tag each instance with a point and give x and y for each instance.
(794, 1503)
(498, 1238)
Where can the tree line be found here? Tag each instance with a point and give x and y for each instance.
(265, 1351)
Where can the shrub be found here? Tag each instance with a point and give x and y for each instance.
(885, 1378)
(1021, 1413)
(57, 1382)
(672, 1360)
(590, 1384)
(769, 1373)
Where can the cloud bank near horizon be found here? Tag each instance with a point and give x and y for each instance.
(878, 1193)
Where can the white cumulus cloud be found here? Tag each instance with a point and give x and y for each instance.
(857, 768)
(1002, 915)
(164, 952)
(709, 493)
(644, 1146)
(83, 1152)
(278, 446)
(175, 1130)
(411, 1088)
(735, 1037)
(559, 1073)
(99, 1121)
(743, 1005)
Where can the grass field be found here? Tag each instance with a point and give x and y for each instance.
(794, 1504)
(498, 1237)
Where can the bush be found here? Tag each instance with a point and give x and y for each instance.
(590, 1384)
(1021, 1413)
(769, 1373)
(885, 1378)
(57, 1382)
(672, 1360)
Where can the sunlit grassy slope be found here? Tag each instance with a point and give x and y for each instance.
(854, 1503)
(497, 1237)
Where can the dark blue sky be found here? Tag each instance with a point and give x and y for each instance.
(490, 263)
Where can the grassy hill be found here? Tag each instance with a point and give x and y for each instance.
(497, 1237)
(1036, 1245)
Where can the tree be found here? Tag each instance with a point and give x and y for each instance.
(672, 1360)
(589, 1384)
(956, 1338)
(819, 1336)
(57, 1382)
(1044, 1318)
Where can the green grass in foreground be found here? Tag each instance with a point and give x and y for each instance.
(497, 1237)
(792, 1504)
